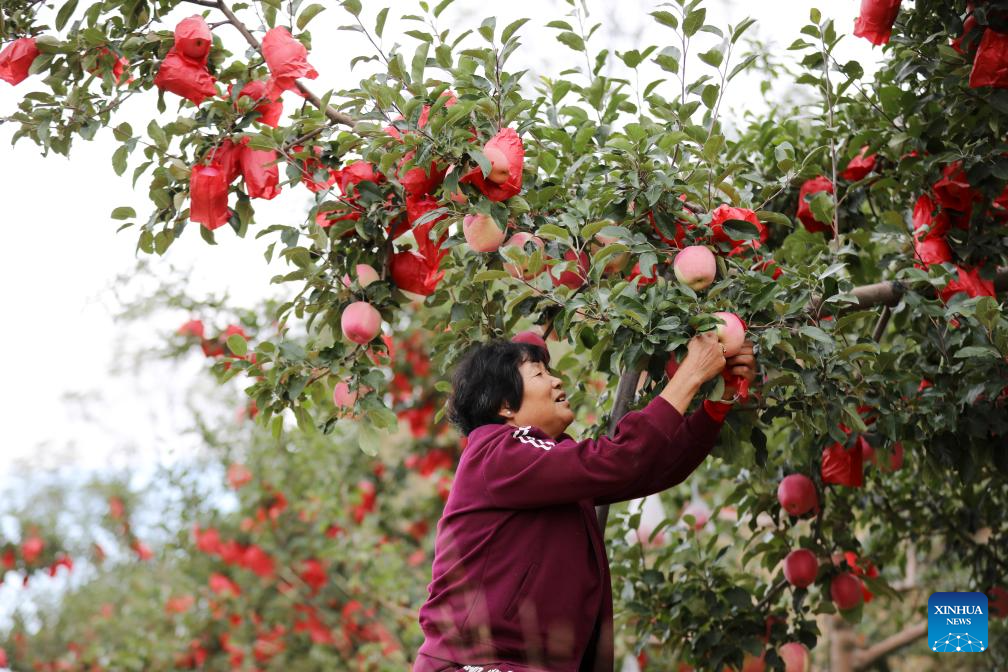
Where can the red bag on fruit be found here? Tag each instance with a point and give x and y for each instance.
(185, 78)
(843, 466)
(858, 167)
(413, 273)
(270, 108)
(970, 282)
(16, 58)
(990, 65)
(208, 191)
(876, 20)
(259, 168)
(287, 60)
(722, 214)
(810, 188)
(924, 216)
(193, 39)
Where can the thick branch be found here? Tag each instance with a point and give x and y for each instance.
(625, 393)
(332, 113)
(865, 657)
(889, 293)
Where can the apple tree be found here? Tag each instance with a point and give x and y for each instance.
(858, 223)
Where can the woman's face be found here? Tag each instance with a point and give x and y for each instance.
(544, 404)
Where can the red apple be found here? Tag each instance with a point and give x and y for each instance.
(361, 322)
(731, 333)
(695, 266)
(801, 567)
(482, 233)
(519, 240)
(845, 591)
(795, 656)
(570, 278)
(797, 494)
(500, 167)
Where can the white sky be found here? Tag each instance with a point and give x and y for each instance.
(60, 252)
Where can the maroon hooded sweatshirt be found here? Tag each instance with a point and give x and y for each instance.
(520, 576)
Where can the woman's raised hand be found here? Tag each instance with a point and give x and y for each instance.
(704, 358)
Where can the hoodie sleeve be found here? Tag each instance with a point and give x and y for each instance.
(692, 442)
(525, 469)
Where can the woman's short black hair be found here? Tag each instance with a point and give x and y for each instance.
(486, 377)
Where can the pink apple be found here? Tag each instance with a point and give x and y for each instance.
(616, 262)
(795, 657)
(801, 567)
(519, 240)
(700, 512)
(500, 167)
(482, 233)
(695, 266)
(343, 397)
(845, 591)
(361, 322)
(797, 494)
(731, 333)
(365, 276)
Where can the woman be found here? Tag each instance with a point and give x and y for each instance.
(520, 576)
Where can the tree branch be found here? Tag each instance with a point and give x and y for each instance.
(889, 293)
(625, 393)
(331, 112)
(865, 657)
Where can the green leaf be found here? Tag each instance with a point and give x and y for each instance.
(668, 59)
(123, 212)
(553, 232)
(380, 22)
(816, 334)
(713, 58)
(419, 62)
(488, 276)
(64, 14)
(352, 6)
(487, 28)
(694, 21)
(512, 28)
(771, 217)
(309, 13)
(157, 134)
(572, 40)
(119, 160)
(481, 160)
(237, 344)
(977, 351)
(740, 230)
(822, 206)
(666, 19)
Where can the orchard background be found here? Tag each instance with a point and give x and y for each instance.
(300, 536)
